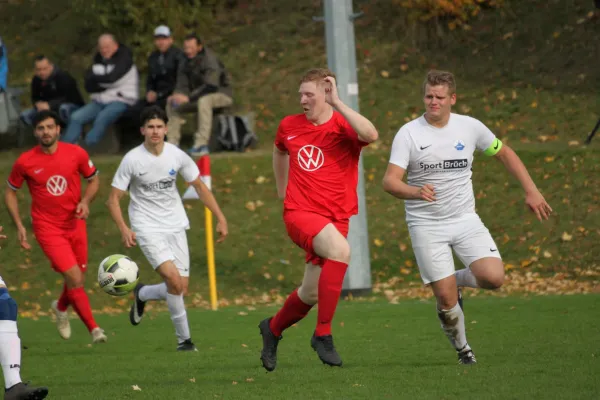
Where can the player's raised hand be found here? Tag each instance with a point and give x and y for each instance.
(222, 230)
(22, 236)
(538, 205)
(82, 211)
(331, 92)
(427, 193)
(128, 237)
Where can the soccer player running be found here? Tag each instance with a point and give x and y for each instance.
(158, 219)
(10, 350)
(315, 160)
(436, 150)
(52, 171)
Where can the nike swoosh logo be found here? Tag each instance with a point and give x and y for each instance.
(497, 144)
(423, 148)
(143, 173)
(493, 250)
(37, 171)
(291, 137)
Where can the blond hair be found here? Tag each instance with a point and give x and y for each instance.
(443, 78)
(316, 75)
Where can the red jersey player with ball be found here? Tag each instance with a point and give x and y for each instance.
(315, 160)
(52, 171)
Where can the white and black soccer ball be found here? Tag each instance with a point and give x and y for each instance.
(118, 275)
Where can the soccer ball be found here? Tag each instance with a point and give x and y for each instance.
(118, 275)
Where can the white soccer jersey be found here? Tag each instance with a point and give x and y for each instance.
(155, 204)
(441, 157)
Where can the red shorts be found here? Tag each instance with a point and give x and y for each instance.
(64, 248)
(303, 226)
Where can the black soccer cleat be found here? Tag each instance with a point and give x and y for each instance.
(466, 357)
(268, 354)
(22, 391)
(325, 349)
(187, 345)
(137, 308)
(460, 299)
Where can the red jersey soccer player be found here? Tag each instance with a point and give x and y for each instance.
(52, 171)
(315, 160)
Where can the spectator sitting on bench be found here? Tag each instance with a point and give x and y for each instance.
(52, 89)
(112, 81)
(163, 64)
(3, 66)
(202, 85)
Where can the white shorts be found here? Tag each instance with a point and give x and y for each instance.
(2, 282)
(433, 245)
(161, 247)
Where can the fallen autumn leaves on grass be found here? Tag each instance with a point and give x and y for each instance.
(394, 289)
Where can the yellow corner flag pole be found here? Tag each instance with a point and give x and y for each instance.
(204, 166)
(210, 256)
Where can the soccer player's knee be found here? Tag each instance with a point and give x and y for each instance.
(74, 278)
(175, 285)
(495, 281)
(342, 252)
(8, 306)
(308, 295)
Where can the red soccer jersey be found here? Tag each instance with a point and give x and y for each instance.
(54, 183)
(323, 171)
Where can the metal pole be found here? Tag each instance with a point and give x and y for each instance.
(341, 59)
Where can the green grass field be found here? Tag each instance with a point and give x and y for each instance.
(533, 84)
(527, 348)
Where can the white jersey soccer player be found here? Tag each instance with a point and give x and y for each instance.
(10, 349)
(436, 150)
(158, 218)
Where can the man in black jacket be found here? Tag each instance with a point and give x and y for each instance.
(52, 89)
(162, 68)
(112, 81)
(202, 85)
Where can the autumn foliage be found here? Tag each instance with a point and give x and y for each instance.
(454, 12)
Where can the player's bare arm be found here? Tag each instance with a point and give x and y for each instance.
(362, 126)
(12, 204)
(114, 206)
(393, 183)
(281, 164)
(83, 208)
(210, 202)
(2, 237)
(533, 198)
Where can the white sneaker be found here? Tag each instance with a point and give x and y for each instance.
(98, 335)
(62, 321)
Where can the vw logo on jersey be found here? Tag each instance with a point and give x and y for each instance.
(459, 145)
(310, 158)
(56, 185)
(172, 172)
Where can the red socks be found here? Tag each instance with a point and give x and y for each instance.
(80, 302)
(63, 300)
(330, 289)
(293, 310)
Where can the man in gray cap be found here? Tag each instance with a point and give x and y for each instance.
(162, 68)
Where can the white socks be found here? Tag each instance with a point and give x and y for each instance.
(453, 324)
(178, 316)
(153, 292)
(465, 278)
(10, 353)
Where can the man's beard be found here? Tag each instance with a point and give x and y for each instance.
(50, 144)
